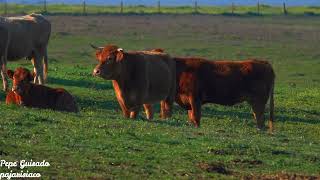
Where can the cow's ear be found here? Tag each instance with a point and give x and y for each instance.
(120, 54)
(10, 73)
(98, 51)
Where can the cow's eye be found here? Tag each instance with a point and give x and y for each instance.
(108, 61)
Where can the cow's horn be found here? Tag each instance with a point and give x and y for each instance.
(95, 47)
(119, 49)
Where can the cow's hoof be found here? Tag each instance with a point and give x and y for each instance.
(149, 118)
(270, 131)
(261, 128)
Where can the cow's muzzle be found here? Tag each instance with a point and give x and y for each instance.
(96, 72)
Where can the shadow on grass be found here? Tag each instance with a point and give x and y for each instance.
(114, 106)
(168, 122)
(280, 114)
(79, 83)
(90, 103)
(2, 96)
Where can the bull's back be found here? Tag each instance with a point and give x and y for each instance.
(221, 82)
(228, 83)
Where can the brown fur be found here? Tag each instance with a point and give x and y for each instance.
(32, 95)
(139, 79)
(13, 98)
(200, 81)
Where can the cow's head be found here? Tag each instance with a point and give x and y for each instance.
(110, 58)
(21, 80)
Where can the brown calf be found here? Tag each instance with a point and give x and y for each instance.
(200, 81)
(32, 95)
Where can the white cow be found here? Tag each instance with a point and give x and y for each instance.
(25, 37)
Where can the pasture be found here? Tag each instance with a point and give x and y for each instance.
(99, 143)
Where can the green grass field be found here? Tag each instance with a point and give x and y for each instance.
(98, 143)
(56, 9)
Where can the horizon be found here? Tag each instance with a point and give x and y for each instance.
(174, 2)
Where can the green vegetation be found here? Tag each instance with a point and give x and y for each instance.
(140, 9)
(98, 142)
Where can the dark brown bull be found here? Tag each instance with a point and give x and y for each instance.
(139, 78)
(200, 81)
(32, 95)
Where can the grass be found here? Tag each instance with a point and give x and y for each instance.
(56, 9)
(99, 143)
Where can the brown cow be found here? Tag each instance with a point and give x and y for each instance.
(32, 95)
(200, 81)
(139, 78)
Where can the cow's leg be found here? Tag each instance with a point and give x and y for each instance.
(166, 108)
(34, 70)
(117, 90)
(166, 105)
(38, 68)
(134, 113)
(125, 111)
(148, 110)
(4, 73)
(195, 112)
(45, 65)
(258, 114)
(163, 111)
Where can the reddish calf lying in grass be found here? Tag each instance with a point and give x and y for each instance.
(32, 95)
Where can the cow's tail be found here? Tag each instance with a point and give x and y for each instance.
(271, 104)
(45, 65)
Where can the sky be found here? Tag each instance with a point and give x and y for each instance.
(178, 2)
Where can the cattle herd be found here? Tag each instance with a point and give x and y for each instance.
(139, 78)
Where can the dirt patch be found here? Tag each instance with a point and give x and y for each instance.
(215, 168)
(170, 26)
(282, 176)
